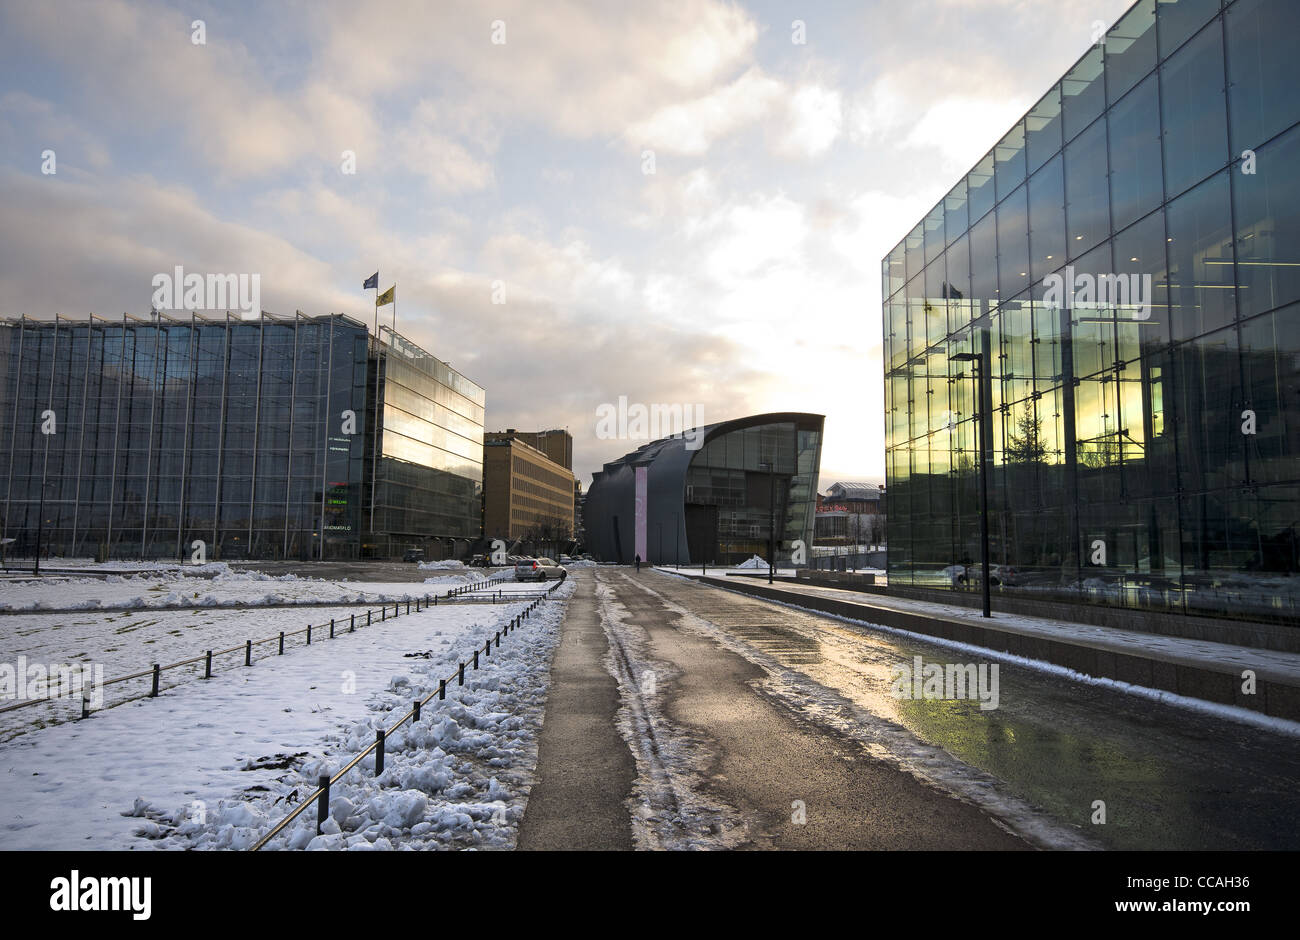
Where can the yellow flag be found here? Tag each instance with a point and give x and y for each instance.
(387, 297)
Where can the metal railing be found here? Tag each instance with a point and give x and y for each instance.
(321, 795)
(461, 594)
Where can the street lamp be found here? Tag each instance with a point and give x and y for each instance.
(978, 359)
(771, 520)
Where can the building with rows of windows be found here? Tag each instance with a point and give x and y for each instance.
(273, 437)
(1115, 289)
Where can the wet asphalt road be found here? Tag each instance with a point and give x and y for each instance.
(1053, 749)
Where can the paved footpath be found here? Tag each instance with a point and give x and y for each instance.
(584, 768)
(752, 760)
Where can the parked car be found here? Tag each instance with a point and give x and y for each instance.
(974, 574)
(539, 569)
(565, 559)
(414, 554)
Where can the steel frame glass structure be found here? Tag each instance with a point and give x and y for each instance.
(136, 438)
(1142, 451)
(714, 504)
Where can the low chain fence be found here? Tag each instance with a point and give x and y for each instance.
(321, 795)
(70, 684)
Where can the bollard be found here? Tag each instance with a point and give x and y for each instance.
(323, 809)
(415, 716)
(461, 679)
(309, 634)
(442, 689)
(435, 600)
(281, 642)
(476, 659)
(248, 652)
(408, 607)
(487, 647)
(352, 624)
(367, 618)
(498, 639)
(207, 666)
(383, 613)
(379, 751)
(331, 628)
(85, 703)
(156, 671)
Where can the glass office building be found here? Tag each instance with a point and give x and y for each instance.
(425, 474)
(714, 503)
(1125, 265)
(136, 438)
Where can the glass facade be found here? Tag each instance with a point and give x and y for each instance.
(1126, 265)
(715, 504)
(731, 484)
(135, 438)
(426, 469)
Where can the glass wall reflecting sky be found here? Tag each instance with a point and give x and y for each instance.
(1143, 447)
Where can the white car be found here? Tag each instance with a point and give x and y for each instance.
(539, 569)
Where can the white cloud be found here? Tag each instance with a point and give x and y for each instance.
(815, 119)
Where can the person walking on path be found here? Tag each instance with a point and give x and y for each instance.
(638, 563)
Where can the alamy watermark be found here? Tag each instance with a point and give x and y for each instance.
(917, 680)
(214, 292)
(24, 681)
(1098, 292)
(636, 421)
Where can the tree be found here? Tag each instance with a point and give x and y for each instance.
(1026, 444)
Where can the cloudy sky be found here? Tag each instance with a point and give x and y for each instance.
(678, 202)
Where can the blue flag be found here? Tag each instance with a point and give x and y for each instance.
(372, 281)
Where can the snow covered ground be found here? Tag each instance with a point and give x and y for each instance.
(210, 764)
(214, 585)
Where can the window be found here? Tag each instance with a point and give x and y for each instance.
(1178, 20)
(1268, 228)
(1130, 49)
(955, 216)
(1136, 186)
(1086, 191)
(1140, 250)
(1046, 219)
(1083, 94)
(984, 264)
(915, 251)
(980, 188)
(1013, 245)
(1009, 155)
(1201, 291)
(1263, 69)
(957, 289)
(934, 243)
(1196, 123)
(1043, 129)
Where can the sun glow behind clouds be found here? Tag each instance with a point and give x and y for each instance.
(743, 273)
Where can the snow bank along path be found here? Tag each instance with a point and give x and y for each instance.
(130, 649)
(212, 764)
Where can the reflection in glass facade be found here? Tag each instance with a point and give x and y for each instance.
(425, 472)
(1143, 451)
(255, 437)
(714, 504)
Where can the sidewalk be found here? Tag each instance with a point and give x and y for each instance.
(1198, 669)
(584, 768)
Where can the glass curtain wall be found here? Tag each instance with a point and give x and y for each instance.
(135, 438)
(1126, 261)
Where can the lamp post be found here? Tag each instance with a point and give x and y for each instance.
(978, 359)
(771, 520)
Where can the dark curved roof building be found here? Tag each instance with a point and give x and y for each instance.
(710, 495)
